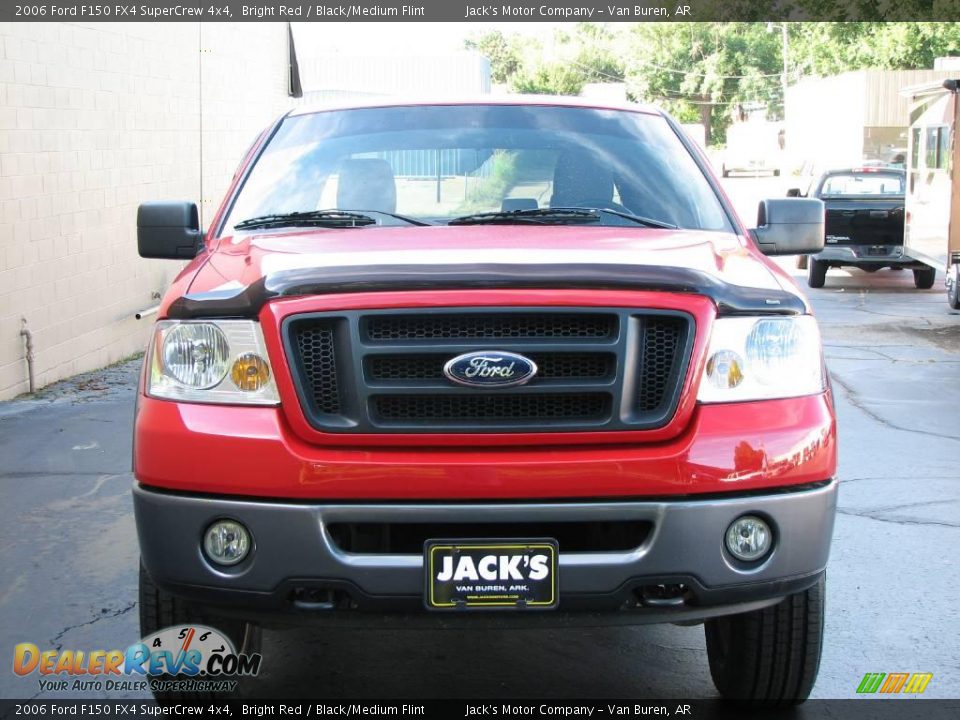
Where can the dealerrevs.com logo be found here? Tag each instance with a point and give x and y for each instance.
(182, 658)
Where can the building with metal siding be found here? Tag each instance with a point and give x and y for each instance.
(855, 116)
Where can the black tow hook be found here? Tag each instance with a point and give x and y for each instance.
(662, 595)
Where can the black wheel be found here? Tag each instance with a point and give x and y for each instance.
(802, 262)
(953, 287)
(923, 278)
(769, 657)
(159, 610)
(816, 273)
(896, 268)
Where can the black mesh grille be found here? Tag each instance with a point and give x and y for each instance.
(661, 341)
(489, 325)
(408, 538)
(602, 369)
(315, 343)
(430, 367)
(496, 408)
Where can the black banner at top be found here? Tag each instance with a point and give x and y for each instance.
(418, 709)
(477, 10)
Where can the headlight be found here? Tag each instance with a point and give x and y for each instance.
(762, 359)
(196, 355)
(222, 361)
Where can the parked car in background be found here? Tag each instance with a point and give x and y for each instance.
(753, 147)
(864, 223)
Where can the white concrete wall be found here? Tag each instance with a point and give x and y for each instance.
(95, 119)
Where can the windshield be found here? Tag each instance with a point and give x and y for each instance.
(870, 183)
(437, 163)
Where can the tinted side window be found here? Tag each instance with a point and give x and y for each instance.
(931, 147)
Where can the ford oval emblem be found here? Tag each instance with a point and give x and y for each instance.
(490, 368)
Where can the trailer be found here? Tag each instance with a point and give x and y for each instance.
(932, 218)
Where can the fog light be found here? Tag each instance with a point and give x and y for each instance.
(749, 538)
(226, 542)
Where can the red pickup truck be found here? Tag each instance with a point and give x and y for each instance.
(488, 363)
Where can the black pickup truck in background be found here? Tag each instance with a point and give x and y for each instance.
(864, 224)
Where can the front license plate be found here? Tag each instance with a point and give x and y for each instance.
(494, 574)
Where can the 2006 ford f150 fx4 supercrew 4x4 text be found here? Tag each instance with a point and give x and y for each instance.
(485, 363)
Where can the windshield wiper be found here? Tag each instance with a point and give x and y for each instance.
(334, 218)
(555, 216)
(316, 218)
(534, 216)
(639, 219)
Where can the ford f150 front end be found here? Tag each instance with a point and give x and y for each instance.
(512, 363)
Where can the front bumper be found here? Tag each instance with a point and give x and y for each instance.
(297, 569)
(857, 255)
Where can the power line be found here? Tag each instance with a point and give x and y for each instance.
(796, 71)
(714, 102)
(696, 74)
(676, 94)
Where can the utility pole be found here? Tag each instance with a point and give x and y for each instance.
(784, 33)
(786, 55)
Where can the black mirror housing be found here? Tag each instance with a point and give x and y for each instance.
(790, 226)
(169, 230)
(794, 192)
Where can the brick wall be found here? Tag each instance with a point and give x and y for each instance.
(95, 119)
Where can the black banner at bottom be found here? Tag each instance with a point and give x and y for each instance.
(857, 709)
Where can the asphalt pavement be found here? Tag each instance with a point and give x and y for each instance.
(69, 568)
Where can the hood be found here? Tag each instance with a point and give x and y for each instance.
(249, 269)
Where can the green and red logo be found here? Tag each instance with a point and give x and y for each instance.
(893, 683)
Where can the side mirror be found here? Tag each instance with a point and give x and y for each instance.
(790, 226)
(168, 230)
(794, 192)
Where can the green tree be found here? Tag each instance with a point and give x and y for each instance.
(504, 54)
(699, 71)
(587, 53)
(830, 48)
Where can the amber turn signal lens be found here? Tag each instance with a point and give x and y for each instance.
(725, 369)
(250, 372)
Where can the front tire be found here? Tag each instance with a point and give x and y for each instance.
(923, 278)
(769, 657)
(816, 273)
(160, 609)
